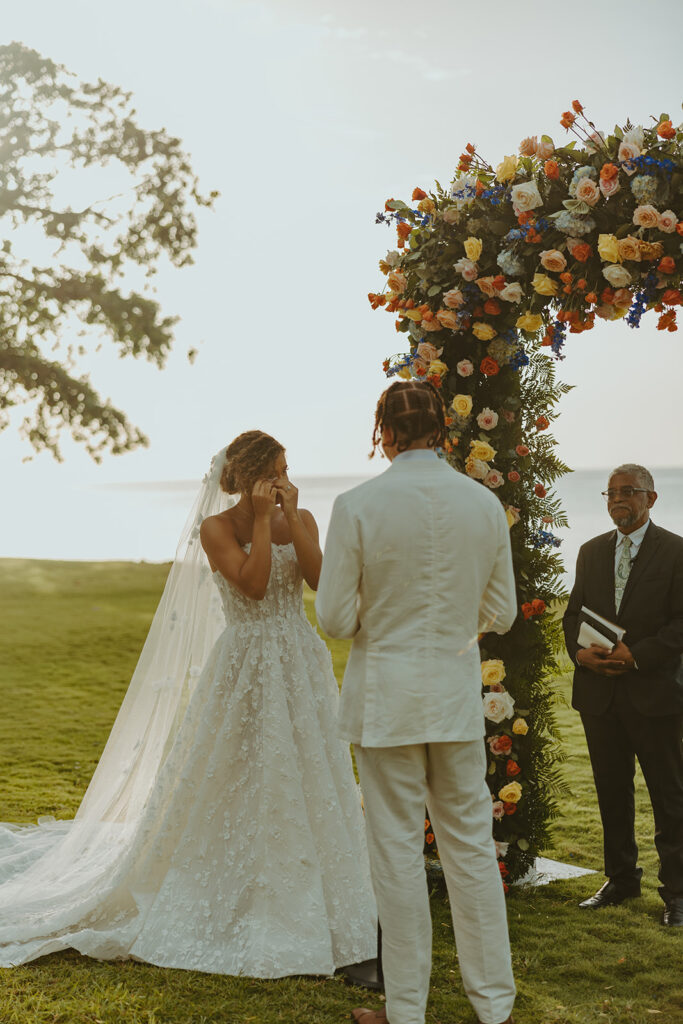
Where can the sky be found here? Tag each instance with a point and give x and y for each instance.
(306, 115)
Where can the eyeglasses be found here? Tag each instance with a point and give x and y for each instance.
(622, 492)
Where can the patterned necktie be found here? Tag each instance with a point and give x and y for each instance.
(622, 571)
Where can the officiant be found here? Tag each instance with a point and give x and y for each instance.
(628, 686)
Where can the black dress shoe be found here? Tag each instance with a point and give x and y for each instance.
(366, 974)
(673, 912)
(610, 895)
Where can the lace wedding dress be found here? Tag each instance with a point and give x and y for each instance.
(247, 854)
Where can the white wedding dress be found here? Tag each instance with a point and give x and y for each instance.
(246, 853)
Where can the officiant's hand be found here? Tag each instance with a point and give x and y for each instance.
(287, 496)
(599, 659)
(621, 654)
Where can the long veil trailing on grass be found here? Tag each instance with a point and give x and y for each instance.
(55, 874)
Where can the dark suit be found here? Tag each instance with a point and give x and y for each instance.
(639, 713)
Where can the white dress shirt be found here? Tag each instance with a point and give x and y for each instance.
(636, 539)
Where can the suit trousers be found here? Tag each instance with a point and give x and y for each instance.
(450, 779)
(615, 739)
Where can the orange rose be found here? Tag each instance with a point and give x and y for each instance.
(403, 230)
(666, 130)
(672, 297)
(567, 119)
(551, 169)
(608, 172)
(418, 194)
(489, 367)
(542, 423)
(577, 107)
(492, 307)
(679, 228)
(512, 769)
(581, 252)
(667, 265)
(540, 491)
(591, 298)
(387, 206)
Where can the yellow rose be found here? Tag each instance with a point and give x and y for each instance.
(483, 331)
(405, 373)
(530, 322)
(492, 671)
(511, 793)
(511, 518)
(473, 247)
(520, 727)
(482, 450)
(544, 285)
(608, 248)
(462, 405)
(506, 170)
(413, 314)
(436, 366)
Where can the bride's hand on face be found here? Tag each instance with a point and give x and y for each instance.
(287, 495)
(263, 498)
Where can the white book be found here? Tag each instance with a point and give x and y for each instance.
(594, 629)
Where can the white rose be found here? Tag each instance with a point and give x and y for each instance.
(525, 197)
(476, 469)
(393, 258)
(511, 292)
(668, 221)
(498, 706)
(465, 368)
(628, 152)
(596, 140)
(616, 275)
(501, 849)
(635, 137)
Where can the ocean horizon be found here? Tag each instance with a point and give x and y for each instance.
(142, 521)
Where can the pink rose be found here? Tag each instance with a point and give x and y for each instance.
(487, 419)
(465, 368)
(545, 149)
(500, 744)
(494, 479)
(428, 352)
(527, 147)
(522, 450)
(466, 268)
(513, 476)
(668, 221)
(646, 217)
(498, 810)
(450, 215)
(609, 186)
(508, 416)
(453, 298)
(588, 192)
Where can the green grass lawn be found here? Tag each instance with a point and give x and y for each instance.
(69, 640)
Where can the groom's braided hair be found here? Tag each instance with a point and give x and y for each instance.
(412, 410)
(247, 459)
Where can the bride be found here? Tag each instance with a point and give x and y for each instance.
(222, 830)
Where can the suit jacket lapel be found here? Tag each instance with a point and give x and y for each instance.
(606, 574)
(646, 551)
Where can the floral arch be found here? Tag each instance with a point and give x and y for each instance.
(487, 279)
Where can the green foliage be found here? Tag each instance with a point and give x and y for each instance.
(56, 135)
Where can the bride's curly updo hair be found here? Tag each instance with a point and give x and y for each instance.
(247, 459)
(413, 410)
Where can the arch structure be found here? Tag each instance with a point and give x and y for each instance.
(487, 279)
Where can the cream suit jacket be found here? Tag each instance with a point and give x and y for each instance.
(417, 563)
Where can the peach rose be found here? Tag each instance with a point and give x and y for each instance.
(609, 186)
(451, 215)
(623, 297)
(487, 419)
(485, 285)
(448, 318)
(545, 148)
(627, 152)
(588, 191)
(650, 250)
(646, 216)
(553, 260)
(476, 469)
(453, 298)
(512, 292)
(428, 352)
(494, 479)
(426, 206)
(628, 248)
(430, 325)
(465, 368)
(528, 147)
(667, 221)
(498, 810)
(397, 281)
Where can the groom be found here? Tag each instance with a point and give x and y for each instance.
(417, 563)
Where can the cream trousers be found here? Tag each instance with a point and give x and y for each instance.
(449, 778)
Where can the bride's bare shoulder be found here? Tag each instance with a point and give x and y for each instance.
(217, 528)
